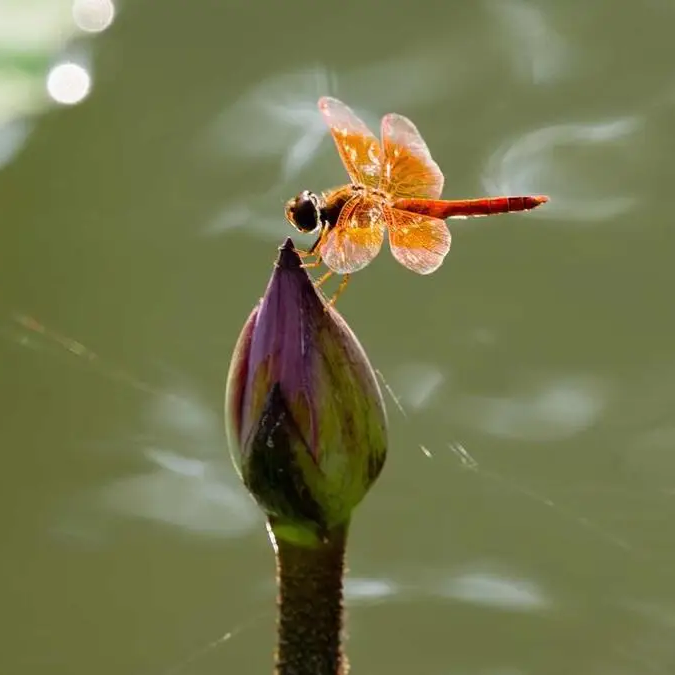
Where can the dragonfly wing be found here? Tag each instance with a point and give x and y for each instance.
(358, 147)
(418, 242)
(356, 238)
(408, 168)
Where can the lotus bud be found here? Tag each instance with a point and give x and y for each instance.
(306, 423)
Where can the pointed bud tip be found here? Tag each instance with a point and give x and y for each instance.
(288, 257)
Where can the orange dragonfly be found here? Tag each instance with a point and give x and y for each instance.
(395, 186)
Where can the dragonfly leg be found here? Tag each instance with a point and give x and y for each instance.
(322, 279)
(343, 284)
(313, 248)
(314, 263)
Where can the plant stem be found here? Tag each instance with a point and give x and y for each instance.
(310, 610)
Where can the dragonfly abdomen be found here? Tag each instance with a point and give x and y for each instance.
(486, 206)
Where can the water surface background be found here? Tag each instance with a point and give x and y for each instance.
(524, 522)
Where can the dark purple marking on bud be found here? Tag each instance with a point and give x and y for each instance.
(271, 473)
(283, 334)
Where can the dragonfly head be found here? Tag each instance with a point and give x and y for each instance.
(304, 212)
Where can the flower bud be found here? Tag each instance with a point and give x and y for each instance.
(306, 422)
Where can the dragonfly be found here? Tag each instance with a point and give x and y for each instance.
(395, 186)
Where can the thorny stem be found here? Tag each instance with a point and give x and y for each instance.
(310, 610)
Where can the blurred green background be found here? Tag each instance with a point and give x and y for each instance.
(523, 523)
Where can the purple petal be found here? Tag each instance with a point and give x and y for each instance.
(284, 333)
